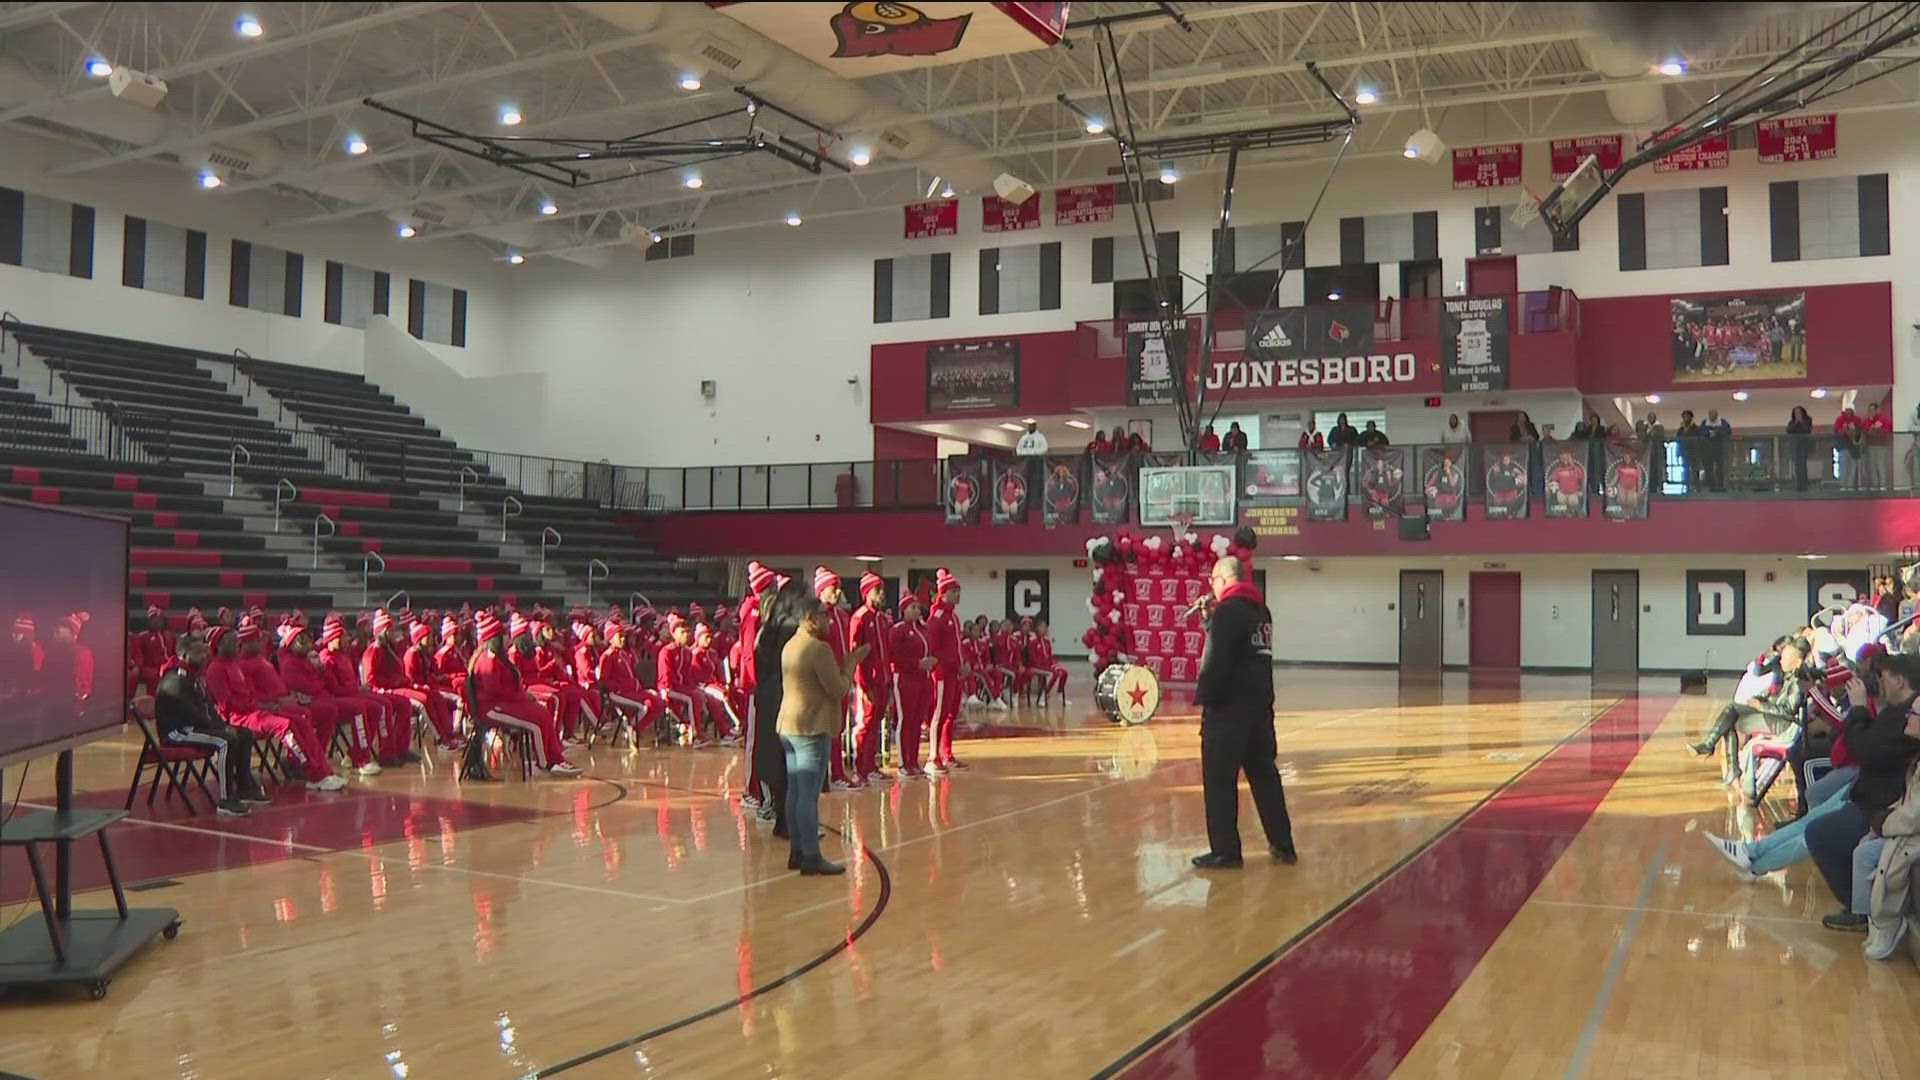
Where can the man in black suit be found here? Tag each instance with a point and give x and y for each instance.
(1235, 694)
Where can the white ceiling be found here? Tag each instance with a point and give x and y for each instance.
(1476, 72)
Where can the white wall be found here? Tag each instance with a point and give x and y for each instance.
(475, 411)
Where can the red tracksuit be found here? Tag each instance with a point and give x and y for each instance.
(149, 651)
(744, 681)
(837, 634)
(907, 644)
(673, 669)
(526, 664)
(302, 675)
(710, 685)
(1005, 660)
(450, 664)
(622, 686)
(233, 695)
(502, 699)
(575, 702)
(384, 673)
(268, 686)
(389, 719)
(943, 641)
(421, 678)
(1046, 669)
(872, 687)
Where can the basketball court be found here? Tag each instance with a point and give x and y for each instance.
(1496, 879)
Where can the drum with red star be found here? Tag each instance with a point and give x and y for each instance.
(1127, 693)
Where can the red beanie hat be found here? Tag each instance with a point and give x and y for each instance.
(334, 630)
(486, 626)
(196, 620)
(870, 581)
(759, 578)
(76, 620)
(944, 580)
(824, 579)
(214, 634)
(154, 612)
(675, 622)
(420, 632)
(289, 631)
(23, 623)
(248, 629)
(449, 626)
(517, 624)
(382, 621)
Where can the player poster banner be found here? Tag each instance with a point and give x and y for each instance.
(1270, 476)
(1745, 337)
(999, 215)
(1083, 204)
(1567, 154)
(1708, 153)
(1629, 480)
(1798, 138)
(1060, 495)
(1383, 474)
(1327, 484)
(1507, 480)
(1012, 488)
(1486, 166)
(1111, 489)
(938, 218)
(1474, 340)
(1566, 478)
(967, 376)
(966, 489)
(1152, 355)
(1444, 482)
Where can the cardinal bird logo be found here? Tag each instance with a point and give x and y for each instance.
(878, 29)
(1338, 331)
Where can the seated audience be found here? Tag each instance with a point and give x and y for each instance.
(185, 715)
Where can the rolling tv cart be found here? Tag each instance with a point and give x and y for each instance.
(64, 945)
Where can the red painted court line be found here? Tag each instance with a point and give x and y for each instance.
(1352, 998)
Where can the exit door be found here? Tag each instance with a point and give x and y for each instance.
(1493, 618)
(1421, 627)
(1616, 624)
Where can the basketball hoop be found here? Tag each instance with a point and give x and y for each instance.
(1526, 211)
(1180, 521)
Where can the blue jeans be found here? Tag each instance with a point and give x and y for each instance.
(806, 765)
(1787, 844)
(1866, 859)
(1822, 789)
(1830, 842)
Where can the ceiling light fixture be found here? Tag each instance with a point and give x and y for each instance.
(947, 192)
(406, 231)
(510, 116)
(249, 27)
(861, 159)
(1293, 558)
(1334, 295)
(548, 208)
(99, 68)
(695, 182)
(1011, 427)
(1081, 425)
(356, 145)
(1741, 395)
(1817, 392)
(1096, 126)
(1673, 66)
(1365, 96)
(210, 180)
(1653, 399)
(689, 81)
(516, 258)
(1168, 175)
(866, 558)
(1425, 145)
(793, 220)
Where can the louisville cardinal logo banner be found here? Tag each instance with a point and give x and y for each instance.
(1629, 478)
(1011, 485)
(1112, 489)
(878, 29)
(1507, 480)
(1566, 478)
(1383, 472)
(965, 490)
(1327, 485)
(1444, 482)
(1060, 501)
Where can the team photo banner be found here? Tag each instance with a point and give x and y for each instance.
(971, 376)
(1739, 337)
(1444, 481)
(1507, 479)
(1327, 484)
(1270, 477)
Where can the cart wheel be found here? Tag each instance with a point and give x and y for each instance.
(172, 931)
(97, 989)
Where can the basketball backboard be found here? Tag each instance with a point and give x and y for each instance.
(1205, 491)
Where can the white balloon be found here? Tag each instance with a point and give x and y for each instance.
(1119, 597)
(1152, 543)
(1191, 538)
(1220, 545)
(1094, 543)
(1179, 552)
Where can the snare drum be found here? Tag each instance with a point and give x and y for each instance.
(1127, 693)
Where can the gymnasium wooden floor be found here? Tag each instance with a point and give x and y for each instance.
(1497, 879)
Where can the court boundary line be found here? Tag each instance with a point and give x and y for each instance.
(1206, 1004)
(1583, 1046)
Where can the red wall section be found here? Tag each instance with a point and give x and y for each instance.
(1048, 368)
(1734, 526)
(893, 445)
(1626, 343)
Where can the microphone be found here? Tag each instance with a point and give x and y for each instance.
(1198, 607)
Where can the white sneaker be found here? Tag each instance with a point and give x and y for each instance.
(371, 768)
(878, 777)
(1733, 851)
(749, 802)
(564, 768)
(1883, 939)
(326, 783)
(841, 785)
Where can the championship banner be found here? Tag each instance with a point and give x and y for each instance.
(1268, 476)
(1566, 478)
(1151, 359)
(1111, 488)
(1474, 340)
(1383, 472)
(1797, 138)
(1327, 484)
(1060, 498)
(1444, 482)
(1083, 204)
(1507, 480)
(938, 218)
(999, 215)
(1012, 489)
(966, 489)
(1486, 166)
(1709, 153)
(1629, 479)
(1567, 154)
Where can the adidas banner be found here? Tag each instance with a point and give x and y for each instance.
(1444, 482)
(1060, 498)
(1629, 477)
(1383, 472)
(1316, 330)
(1327, 484)
(1507, 480)
(965, 490)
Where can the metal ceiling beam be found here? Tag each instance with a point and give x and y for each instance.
(353, 101)
(32, 14)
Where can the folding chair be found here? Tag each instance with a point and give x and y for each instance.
(177, 763)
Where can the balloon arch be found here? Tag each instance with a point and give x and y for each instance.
(1142, 588)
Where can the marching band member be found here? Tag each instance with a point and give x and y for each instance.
(500, 698)
(873, 679)
(943, 634)
(710, 683)
(388, 725)
(1046, 668)
(300, 671)
(760, 582)
(616, 675)
(910, 653)
(826, 588)
(233, 695)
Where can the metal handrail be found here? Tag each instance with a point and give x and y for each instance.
(5, 318)
(233, 466)
(544, 533)
(293, 492)
(333, 528)
(388, 602)
(516, 509)
(633, 609)
(367, 571)
(605, 573)
(467, 472)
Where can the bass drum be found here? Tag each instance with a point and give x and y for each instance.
(1127, 693)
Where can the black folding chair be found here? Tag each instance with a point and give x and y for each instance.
(178, 764)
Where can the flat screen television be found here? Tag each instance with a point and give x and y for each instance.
(63, 628)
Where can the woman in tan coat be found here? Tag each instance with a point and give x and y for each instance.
(813, 685)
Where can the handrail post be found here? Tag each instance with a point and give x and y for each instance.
(234, 458)
(510, 507)
(332, 528)
(467, 474)
(293, 492)
(367, 571)
(605, 572)
(633, 609)
(388, 602)
(544, 545)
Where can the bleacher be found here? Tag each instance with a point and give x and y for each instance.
(31, 426)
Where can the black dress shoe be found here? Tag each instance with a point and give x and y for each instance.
(821, 868)
(1845, 920)
(1212, 861)
(793, 862)
(1285, 853)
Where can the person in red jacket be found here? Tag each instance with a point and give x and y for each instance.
(1209, 442)
(621, 684)
(272, 693)
(760, 582)
(494, 683)
(552, 659)
(423, 677)
(450, 659)
(1049, 675)
(710, 683)
(150, 649)
(943, 638)
(1000, 652)
(233, 695)
(827, 589)
(910, 653)
(675, 679)
(524, 655)
(299, 671)
(383, 669)
(872, 679)
(390, 728)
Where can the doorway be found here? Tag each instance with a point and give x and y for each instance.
(1422, 629)
(1491, 425)
(1421, 278)
(1616, 625)
(1493, 621)
(1493, 275)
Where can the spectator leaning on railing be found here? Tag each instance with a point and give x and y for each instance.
(1851, 433)
(1877, 432)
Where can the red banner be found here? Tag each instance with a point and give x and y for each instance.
(1082, 204)
(999, 215)
(1567, 154)
(1487, 166)
(1708, 153)
(941, 218)
(1798, 138)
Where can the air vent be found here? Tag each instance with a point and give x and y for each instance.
(721, 54)
(430, 215)
(897, 139)
(228, 161)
